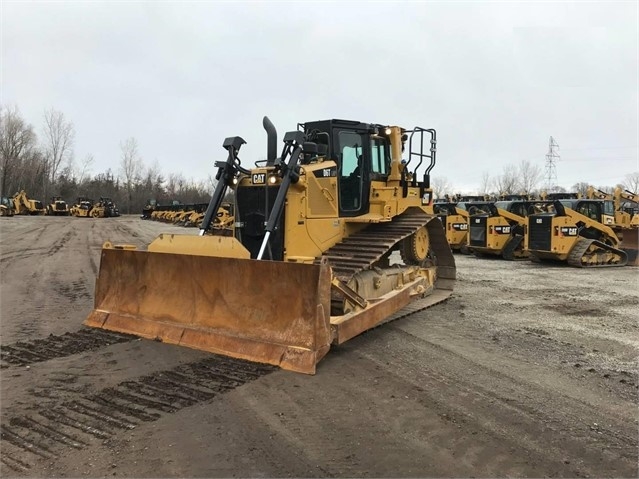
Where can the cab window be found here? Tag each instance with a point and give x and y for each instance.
(609, 208)
(379, 156)
(590, 210)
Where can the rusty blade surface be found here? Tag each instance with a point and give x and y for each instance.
(630, 244)
(270, 312)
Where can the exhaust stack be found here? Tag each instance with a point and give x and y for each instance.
(271, 151)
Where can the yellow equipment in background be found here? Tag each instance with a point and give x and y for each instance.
(626, 218)
(310, 262)
(6, 206)
(57, 207)
(25, 206)
(82, 207)
(455, 221)
(500, 229)
(577, 232)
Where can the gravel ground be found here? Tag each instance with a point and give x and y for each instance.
(528, 370)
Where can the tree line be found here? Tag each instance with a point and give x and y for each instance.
(44, 165)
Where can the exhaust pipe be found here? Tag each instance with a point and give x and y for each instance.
(271, 151)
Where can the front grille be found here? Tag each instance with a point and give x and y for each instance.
(539, 232)
(60, 206)
(478, 230)
(254, 204)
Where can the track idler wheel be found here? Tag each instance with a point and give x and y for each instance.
(415, 248)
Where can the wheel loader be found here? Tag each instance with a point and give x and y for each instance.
(57, 207)
(577, 232)
(330, 238)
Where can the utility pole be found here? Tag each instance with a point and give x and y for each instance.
(551, 167)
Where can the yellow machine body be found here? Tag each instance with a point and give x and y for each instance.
(577, 236)
(329, 277)
(455, 221)
(25, 206)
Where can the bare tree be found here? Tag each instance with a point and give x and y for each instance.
(507, 182)
(441, 186)
(530, 176)
(581, 188)
(59, 136)
(486, 183)
(631, 182)
(85, 167)
(17, 141)
(131, 165)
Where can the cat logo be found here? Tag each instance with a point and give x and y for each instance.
(569, 231)
(258, 178)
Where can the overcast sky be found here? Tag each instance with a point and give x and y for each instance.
(495, 79)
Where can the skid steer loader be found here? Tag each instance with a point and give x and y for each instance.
(576, 231)
(499, 231)
(455, 221)
(309, 263)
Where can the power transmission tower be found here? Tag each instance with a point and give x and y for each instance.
(551, 167)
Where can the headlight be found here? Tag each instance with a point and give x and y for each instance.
(272, 179)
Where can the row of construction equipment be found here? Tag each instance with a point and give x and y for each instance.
(21, 204)
(596, 230)
(333, 236)
(189, 215)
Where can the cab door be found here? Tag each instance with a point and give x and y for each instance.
(353, 152)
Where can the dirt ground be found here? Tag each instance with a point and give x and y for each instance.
(528, 370)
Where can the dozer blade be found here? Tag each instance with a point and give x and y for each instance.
(630, 244)
(270, 312)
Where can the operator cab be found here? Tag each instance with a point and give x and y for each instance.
(602, 211)
(362, 154)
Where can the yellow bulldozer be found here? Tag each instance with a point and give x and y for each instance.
(330, 238)
(576, 231)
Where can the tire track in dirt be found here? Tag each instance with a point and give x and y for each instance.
(443, 373)
(50, 431)
(24, 353)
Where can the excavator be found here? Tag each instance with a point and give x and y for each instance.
(25, 206)
(500, 229)
(576, 231)
(330, 238)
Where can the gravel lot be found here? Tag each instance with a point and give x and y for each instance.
(528, 370)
